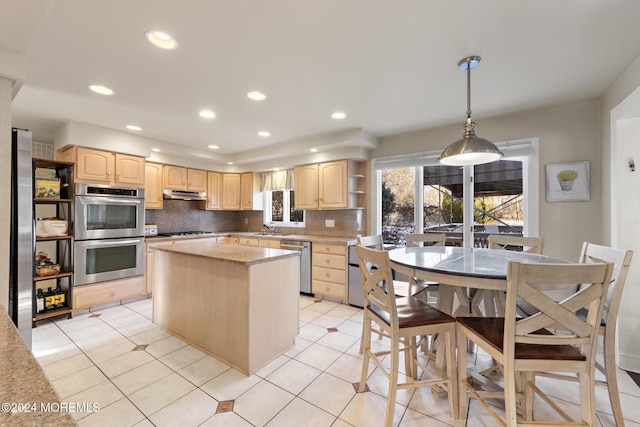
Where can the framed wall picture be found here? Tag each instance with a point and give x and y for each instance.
(568, 182)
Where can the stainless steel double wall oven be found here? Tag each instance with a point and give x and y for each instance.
(109, 233)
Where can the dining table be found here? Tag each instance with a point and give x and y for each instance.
(470, 274)
(462, 272)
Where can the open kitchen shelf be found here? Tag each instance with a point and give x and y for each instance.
(59, 248)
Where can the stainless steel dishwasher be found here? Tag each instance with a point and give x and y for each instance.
(305, 261)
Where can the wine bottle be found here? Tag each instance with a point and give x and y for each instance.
(39, 301)
(49, 299)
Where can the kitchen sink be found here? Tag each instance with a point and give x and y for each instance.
(268, 234)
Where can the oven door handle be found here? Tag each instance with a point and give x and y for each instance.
(105, 243)
(106, 200)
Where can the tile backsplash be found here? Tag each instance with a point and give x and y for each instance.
(180, 215)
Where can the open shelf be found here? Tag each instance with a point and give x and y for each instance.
(53, 276)
(54, 312)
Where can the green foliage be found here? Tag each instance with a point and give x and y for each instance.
(451, 209)
(388, 201)
(567, 175)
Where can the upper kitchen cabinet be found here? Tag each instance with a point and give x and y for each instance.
(331, 185)
(251, 191)
(153, 185)
(181, 178)
(196, 180)
(231, 191)
(175, 177)
(306, 186)
(214, 190)
(103, 167)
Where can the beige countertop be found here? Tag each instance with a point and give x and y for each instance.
(23, 384)
(247, 255)
(336, 240)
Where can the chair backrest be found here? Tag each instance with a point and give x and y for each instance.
(372, 242)
(529, 281)
(377, 283)
(532, 245)
(621, 260)
(426, 239)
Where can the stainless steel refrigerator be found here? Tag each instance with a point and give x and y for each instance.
(21, 252)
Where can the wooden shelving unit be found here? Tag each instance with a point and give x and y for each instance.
(62, 245)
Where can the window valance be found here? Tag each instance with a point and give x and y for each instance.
(277, 180)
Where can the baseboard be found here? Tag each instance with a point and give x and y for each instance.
(629, 362)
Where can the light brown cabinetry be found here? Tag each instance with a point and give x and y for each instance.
(196, 180)
(329, 270)
(181, 178)
(231, 191)
(330, 185)
(306, 186)
(269, 243)
(175, 177)
(152, 185)
(214, 190)
(251, 191)
(104, 167)
(248, 241)
(108, 292)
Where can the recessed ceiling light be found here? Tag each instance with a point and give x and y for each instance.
(134, 127)
(264, 133)
(338, 115)
(257, 96)
(102, 90)
(213, 147)
(157, 150)
(314, 150)
(229, 163)
(207, 114)
(161, 40)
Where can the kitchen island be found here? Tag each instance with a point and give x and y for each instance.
(240, 304)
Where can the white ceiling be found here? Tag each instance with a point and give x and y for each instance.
(389, 65)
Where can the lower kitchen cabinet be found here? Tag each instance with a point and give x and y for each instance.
(87, 296)
(248, 241)
(269, 243)
(329, 270)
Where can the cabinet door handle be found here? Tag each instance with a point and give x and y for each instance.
(109, 173)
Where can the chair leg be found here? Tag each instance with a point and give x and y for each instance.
(453, 390)
(610, 372)
(461, 345)
(588, 398)
(529, 395)
(366, 348)
(393, 381)
(510, 403)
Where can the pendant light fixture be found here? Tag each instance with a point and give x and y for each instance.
(469, 150)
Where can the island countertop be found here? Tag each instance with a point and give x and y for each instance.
(246, 255)
(23, 382)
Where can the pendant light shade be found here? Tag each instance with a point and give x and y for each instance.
(470, 149)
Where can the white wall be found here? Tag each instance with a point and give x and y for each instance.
(620, 116)
(566, 134)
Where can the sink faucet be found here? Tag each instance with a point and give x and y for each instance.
(271, 228)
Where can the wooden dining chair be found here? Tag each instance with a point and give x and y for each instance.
(494, 300)
(402, 320)
(425, 239)
(524, 346)
(401, 288)
(621, 260)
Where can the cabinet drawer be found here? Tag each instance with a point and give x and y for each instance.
(107, 292)
(232, 240)
(330, 261)
(270, 243)
(329, 249)
(330, 275)
(333, 290)
(248, 241)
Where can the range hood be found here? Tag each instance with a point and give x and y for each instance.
(183, 195)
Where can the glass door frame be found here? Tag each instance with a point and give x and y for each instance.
(526, 149)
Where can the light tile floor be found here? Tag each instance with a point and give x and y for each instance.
(140, 375)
